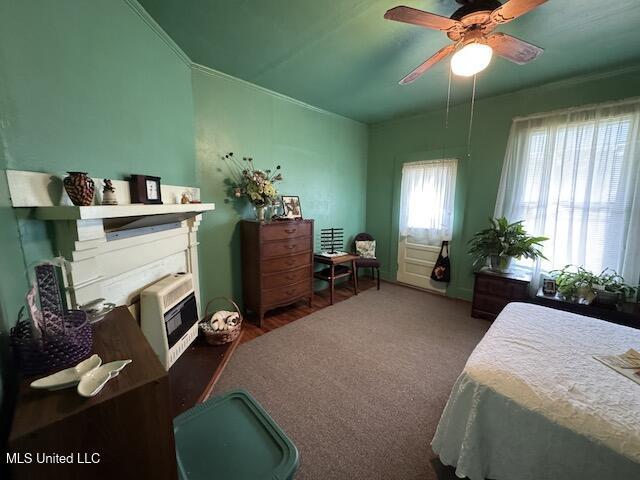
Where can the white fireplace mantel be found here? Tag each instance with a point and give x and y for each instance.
(98, 266)
(117, 211)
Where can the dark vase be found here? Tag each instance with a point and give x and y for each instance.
(80, 188)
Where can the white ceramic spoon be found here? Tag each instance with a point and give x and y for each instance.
(68, 377)
(95, 380)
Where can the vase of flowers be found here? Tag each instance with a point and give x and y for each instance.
(258, 186)
(259, 212)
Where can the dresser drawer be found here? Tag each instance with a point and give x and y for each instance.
(502, 287)
(491, 286)
(286, 278)
(275, 296)
(284, 231)
(286, 247)
(286, 263)
(489, 303)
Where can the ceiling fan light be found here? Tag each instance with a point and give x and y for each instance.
(471, 59)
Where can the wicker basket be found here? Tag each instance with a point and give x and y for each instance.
(219, 337)
(66, 344)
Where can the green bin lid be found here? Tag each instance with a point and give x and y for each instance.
(232, 437)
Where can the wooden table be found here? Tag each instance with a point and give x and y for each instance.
(128, 425)
(330, 275)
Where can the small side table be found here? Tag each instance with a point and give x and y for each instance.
(337, 270)
(493, 291)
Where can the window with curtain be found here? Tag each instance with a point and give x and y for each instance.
(427, 200)
(574, 176)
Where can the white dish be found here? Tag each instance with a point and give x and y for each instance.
(94, 381)
(68, 377)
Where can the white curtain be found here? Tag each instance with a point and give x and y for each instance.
(427, 200)
(574, 176)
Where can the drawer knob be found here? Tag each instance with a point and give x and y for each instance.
(290, 230)
(290, 247)
(290, 262)
(289, 277)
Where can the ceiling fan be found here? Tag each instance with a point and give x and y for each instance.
(471, 27)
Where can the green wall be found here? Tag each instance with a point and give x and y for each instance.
(323, 158)
(396, 141)
(97, 86)
(84, 86)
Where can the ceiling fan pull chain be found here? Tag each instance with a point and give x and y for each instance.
(446, 117)
(473, 103)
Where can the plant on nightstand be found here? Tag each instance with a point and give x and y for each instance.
(577, 284)
(501, 243)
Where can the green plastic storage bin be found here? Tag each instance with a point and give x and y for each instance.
(232, 437)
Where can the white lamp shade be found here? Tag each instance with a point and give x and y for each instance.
(471, 59)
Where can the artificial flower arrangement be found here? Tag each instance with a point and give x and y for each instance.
(256, 185)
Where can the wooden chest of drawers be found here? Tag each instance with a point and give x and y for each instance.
(493, 291)
(277, 264)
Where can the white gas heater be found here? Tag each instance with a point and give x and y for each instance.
(169, 316)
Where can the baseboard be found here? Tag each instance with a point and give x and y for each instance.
(460, 293)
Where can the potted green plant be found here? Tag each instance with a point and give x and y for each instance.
(575, 283)
(501, 243)
(610, 288)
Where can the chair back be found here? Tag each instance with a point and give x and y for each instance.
(361, 237)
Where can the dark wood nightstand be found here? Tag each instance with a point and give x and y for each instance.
(627, 314)
(493, 291)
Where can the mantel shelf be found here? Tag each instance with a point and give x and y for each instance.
(117, 211)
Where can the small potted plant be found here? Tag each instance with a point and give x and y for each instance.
(610, 288)
(501, 243)
(575, 283)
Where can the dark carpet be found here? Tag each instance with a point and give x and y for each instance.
(359, 387)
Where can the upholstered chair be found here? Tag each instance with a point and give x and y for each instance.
(372, 263)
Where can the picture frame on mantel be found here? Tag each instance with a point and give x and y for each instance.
(145, 189)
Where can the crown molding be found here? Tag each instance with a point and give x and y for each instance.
(554, 85)
(225, 76)
(158, 30)
(164, 36)
(578, 79)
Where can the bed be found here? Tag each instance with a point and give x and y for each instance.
(532, 402)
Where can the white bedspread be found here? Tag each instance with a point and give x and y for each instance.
(532, 403)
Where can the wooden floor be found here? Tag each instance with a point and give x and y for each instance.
(279, 317)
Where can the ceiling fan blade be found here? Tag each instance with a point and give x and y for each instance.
(423, 19)
(430, 62)
(513, 49)
(514, 9)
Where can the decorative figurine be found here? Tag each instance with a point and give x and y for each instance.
(109, 193)
(80, 188)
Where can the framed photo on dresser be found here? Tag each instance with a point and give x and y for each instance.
(291, 206)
